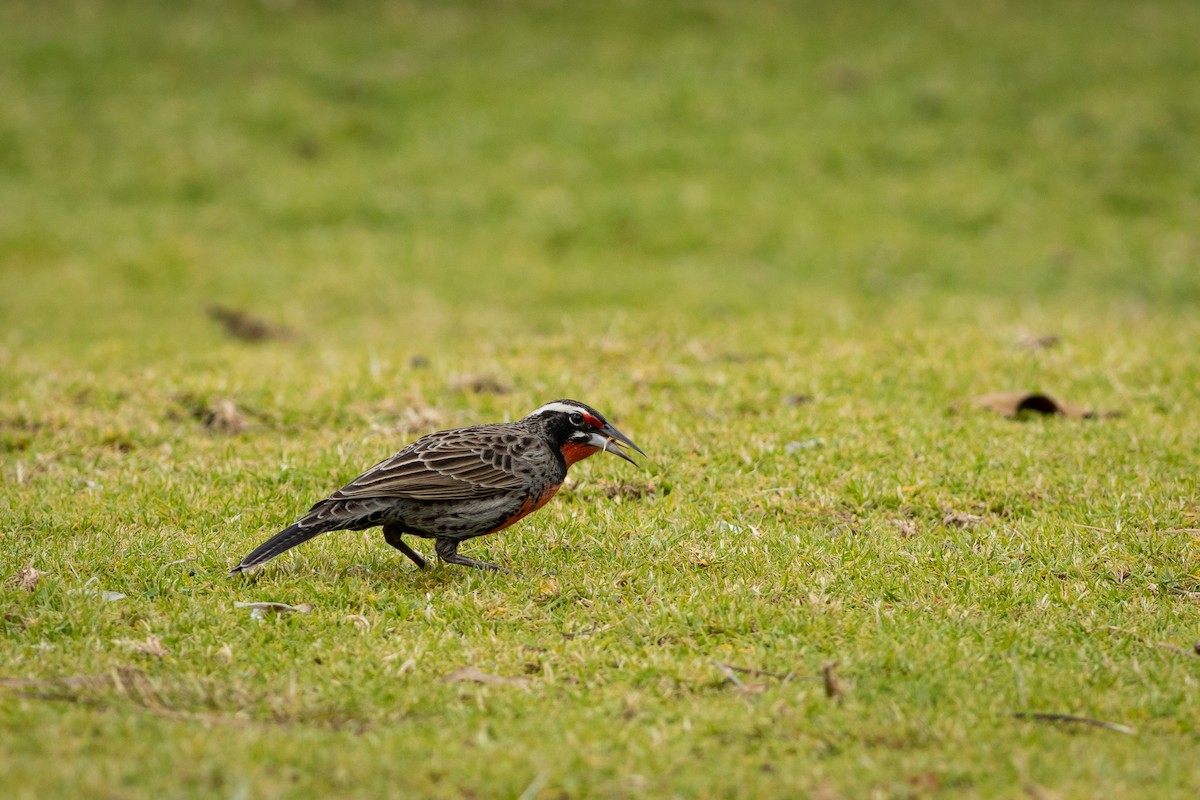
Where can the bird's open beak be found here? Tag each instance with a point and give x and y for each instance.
(611, 440)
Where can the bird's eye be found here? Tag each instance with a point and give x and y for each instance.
(576, 419)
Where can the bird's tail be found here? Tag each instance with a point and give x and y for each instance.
(285, 540)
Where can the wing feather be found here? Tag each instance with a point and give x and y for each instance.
(444, 466)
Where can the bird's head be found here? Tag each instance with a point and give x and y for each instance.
(578, 430)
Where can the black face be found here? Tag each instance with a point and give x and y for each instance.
(569, 422)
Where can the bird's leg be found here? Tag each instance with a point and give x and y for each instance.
(392, 534)
(447, 550)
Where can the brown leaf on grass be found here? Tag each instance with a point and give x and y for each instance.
(223, 416)
(834, 688)
(960, 519)
(481, 383)
(1036, 341)
(797, 399)
(28, 578)
(1011, 404)
(246, 327)
(219, 415)
(473, 675)
(150, 646)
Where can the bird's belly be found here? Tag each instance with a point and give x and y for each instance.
(464, 519)
(530, 505)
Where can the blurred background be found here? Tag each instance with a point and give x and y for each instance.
(781, 244)
(438, 174)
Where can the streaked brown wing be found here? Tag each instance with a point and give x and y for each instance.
(471, 462)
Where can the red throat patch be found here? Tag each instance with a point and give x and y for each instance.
(573, 452)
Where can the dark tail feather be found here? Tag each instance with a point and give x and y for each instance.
(285, 540)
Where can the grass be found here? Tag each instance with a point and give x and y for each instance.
(686, 215)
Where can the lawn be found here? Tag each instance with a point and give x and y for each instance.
(782, 245)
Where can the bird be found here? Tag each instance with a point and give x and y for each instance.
(457, 484)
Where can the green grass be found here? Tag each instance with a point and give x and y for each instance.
(683, 214)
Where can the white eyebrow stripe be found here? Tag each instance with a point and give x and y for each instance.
(556, 406)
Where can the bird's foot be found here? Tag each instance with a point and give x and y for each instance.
(447, 550)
